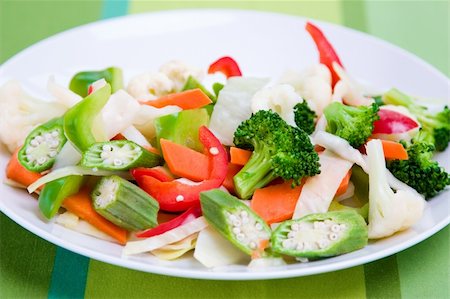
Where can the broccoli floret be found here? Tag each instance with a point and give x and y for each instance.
(304, 117)
(279, 150)
(355, 124)
(437, 125)
(420, 171)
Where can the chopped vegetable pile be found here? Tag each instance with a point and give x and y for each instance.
(244, 170)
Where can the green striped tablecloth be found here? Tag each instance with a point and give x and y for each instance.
(31, 267)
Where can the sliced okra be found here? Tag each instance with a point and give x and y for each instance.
(42, 146)
(118, 155)
(125, 204)
(234, 220)
(320, 235)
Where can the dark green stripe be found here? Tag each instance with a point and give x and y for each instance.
(26, 261)
(69, 275)
(382, 279)
(354, 14)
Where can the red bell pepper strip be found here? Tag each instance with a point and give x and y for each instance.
(189, 215)
(226, 65)
(327, 53)
(156, 172)
(392, 122)
(175, 196)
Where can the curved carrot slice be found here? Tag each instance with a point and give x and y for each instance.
(239, 156)
(344, 184)
(276, 203)
(189, 99)
(185, 162)
(81, 205)
(394, 150)
(16, 172)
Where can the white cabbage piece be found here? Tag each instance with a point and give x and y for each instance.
(347, 90)
(20, 113)
(313, 85)
(389, 211)
(233, 106)
(177, 249)
(279, 98)
(319, 190)
(62, 94)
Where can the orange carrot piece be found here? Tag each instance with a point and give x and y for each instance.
(344, 184)
(16, 172)
(228, 183)
(239, 156)
(276, 203)
(394, 150)
(81, 205)
(185, 162)
(189, 99)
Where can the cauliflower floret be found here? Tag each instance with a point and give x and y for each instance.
(347, 90)
(314, 85)
(179, 72)
(20, 113)
(146, 87)
(171, 78)
(389, 212)
(279, 98)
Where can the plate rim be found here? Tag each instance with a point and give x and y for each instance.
(210, 274)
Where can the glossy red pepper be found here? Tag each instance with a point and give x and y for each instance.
(327, 53)
(156, 172)
(175, 196)
(392, 122)
(226, 65)
(189, 215)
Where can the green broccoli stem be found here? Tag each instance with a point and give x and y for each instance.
(256, 173)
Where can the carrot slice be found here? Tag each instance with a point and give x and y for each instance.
(228, 183)
(277, 202)
(16, 172)
(189, 99)
(185, 162)
(344, 184)
(81, 205)
(239, 156)
(394, 150)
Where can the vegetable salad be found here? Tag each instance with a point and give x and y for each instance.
(244, 170)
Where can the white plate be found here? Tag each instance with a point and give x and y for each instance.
(264, 44)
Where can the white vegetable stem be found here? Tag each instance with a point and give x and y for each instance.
(319, 190)
(72, 170)
(168, 237)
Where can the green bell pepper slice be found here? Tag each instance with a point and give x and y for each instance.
(182, 127)
(81, 81)
(54, 193)
(79, 120)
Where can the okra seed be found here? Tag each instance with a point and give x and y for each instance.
(214, 151)
(335, 228)
(287, 243)
(39, 138)
(30, 158)
(53, 143)
(236, 230)
(47, 136)
(107, 148)
(52, 154)
(237, 222)
(29, 150)
(291, 234)
(294, 227)
(104, 155)
(333, 236)
(240, 236)
(258, 226)
(252, 245)
(41, 160)
(55, 133)
(322, 244)
(34, 142)
(244, 214)
(179, 198)
(328, 222)
(232, 217)
(245, 220)
(117, 162)
(318, 224)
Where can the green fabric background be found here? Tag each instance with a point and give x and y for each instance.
(33, 268)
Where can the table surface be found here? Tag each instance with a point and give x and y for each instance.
(33, 268)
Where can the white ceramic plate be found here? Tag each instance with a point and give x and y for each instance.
(264, 44)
